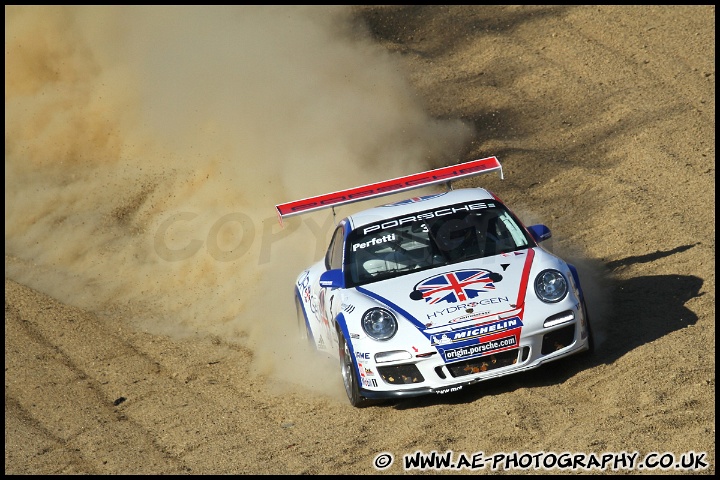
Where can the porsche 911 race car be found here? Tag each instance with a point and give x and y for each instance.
(436, 292)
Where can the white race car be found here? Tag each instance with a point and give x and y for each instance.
(436, 292)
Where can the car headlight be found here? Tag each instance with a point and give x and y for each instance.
(551, 286)
(379, 324)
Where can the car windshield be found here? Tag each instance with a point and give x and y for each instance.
(428, 239)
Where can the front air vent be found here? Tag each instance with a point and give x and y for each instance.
(483, 364)
(558, 339)
(401, 374)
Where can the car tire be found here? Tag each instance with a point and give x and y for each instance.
(349, 374)
(591, 337)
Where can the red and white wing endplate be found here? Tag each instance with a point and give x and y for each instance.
(389, 187)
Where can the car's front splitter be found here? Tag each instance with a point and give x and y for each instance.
(417, 392)
(456, 387)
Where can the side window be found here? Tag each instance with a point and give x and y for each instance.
(333, 257)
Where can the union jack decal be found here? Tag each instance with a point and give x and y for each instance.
(456, 286)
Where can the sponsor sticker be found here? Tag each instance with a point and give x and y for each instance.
(479, 349)
(419, 217)
(476, 331)
(374, 241)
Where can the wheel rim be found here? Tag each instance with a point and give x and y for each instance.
(346, 365)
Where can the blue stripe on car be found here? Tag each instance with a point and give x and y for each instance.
(392, 305)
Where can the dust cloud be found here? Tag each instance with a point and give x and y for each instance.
(146, 148)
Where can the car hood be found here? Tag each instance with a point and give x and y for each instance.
(475, 291)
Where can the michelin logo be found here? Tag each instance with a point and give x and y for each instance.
(477, 331)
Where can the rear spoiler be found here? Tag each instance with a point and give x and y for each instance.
(389, 187)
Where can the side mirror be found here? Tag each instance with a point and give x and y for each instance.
(539, 232)
(332, 279)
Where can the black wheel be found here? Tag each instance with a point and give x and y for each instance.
(349, 375)
(591, 338)
(302, 324)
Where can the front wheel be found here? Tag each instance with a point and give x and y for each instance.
(591, 337)
(349, 374)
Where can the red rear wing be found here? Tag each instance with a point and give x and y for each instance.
(389, 187)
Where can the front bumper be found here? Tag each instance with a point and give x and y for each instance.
(431, 375)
